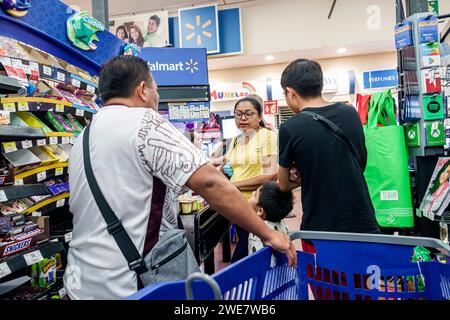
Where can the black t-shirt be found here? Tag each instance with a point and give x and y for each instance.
(335, 196)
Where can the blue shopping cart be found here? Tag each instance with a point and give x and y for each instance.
(345, 266)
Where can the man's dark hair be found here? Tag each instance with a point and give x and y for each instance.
(305, 77)
(156, 18)
(121, 75)
(276, 204)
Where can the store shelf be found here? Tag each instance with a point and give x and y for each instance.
(41, 173)
(44, 104)
(58, 75)
(9, 84)
(7, 147)
(18, 192)
(12, 133)
(27, 258)
(49, 204)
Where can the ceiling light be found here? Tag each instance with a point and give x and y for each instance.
(341, 50)
(268, 58)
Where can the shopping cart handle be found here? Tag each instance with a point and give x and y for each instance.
(374, 238)
(210, 281)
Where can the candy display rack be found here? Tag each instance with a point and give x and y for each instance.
(48, 93)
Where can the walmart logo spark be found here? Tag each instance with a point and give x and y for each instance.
(198, 30)
(191, 66)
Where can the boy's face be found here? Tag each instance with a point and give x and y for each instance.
(253, 201)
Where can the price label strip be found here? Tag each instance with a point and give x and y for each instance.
(3, 197)
(9, 146)
(41, 176)
(76, 83)
(53, 140)
(79, 112)
(59, 108)
(61, 76)
(10, 106)
(27, 144)
(23, 106)
(4, 270)
(41, 142)
(36, 214)
(90, 89)
(47, 70)
(19, 182)
(59, 171)
(65, 140)
(33, 257)
(68, 237)
(60, 203)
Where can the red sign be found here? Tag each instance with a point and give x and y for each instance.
(271, 107)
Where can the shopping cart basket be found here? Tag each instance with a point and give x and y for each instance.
(346, 266)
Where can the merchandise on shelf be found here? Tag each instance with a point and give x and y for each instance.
(27, 240)
(44, 273)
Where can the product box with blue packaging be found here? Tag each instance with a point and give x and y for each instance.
(428, 29)
(403, 35)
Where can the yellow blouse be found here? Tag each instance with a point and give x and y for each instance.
(247, 159)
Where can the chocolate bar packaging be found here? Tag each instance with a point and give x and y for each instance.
(27, 240)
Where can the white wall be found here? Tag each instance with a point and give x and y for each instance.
(358, 64)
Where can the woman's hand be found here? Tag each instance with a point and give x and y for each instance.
(281, 242)
(294, 175)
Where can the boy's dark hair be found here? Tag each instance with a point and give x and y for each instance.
(276, 204)
(121, 75)
(304, 76)
(156, 18)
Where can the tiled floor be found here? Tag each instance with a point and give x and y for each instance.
(293, 224)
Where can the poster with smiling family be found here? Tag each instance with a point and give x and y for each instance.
(145, 30)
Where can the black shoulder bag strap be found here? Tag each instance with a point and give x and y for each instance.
(113, 224)
(337, 132)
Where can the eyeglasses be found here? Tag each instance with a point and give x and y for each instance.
(248, 115)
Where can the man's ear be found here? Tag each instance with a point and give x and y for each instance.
(140, 91)
(289, 91)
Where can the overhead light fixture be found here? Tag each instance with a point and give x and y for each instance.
(269, 57)
(341, 50)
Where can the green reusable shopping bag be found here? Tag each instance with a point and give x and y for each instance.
(386, 172)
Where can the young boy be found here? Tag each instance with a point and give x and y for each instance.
(271, 205)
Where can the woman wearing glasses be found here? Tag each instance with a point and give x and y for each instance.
(253, 157)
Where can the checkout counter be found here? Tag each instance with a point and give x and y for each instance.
(204, 230)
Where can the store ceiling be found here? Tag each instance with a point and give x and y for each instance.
(120, 7)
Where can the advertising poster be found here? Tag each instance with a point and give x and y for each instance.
(144, 30)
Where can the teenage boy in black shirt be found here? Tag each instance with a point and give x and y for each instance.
(335, 196)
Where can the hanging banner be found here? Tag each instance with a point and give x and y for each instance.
(199, 28)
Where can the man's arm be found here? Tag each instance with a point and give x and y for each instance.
(229, 202)
(285, 180)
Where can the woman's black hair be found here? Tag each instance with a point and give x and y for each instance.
(436, 182)
(255, 104)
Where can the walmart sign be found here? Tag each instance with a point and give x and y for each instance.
(177, 67)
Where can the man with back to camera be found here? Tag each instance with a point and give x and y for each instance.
(141, 163)
(335, 195)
